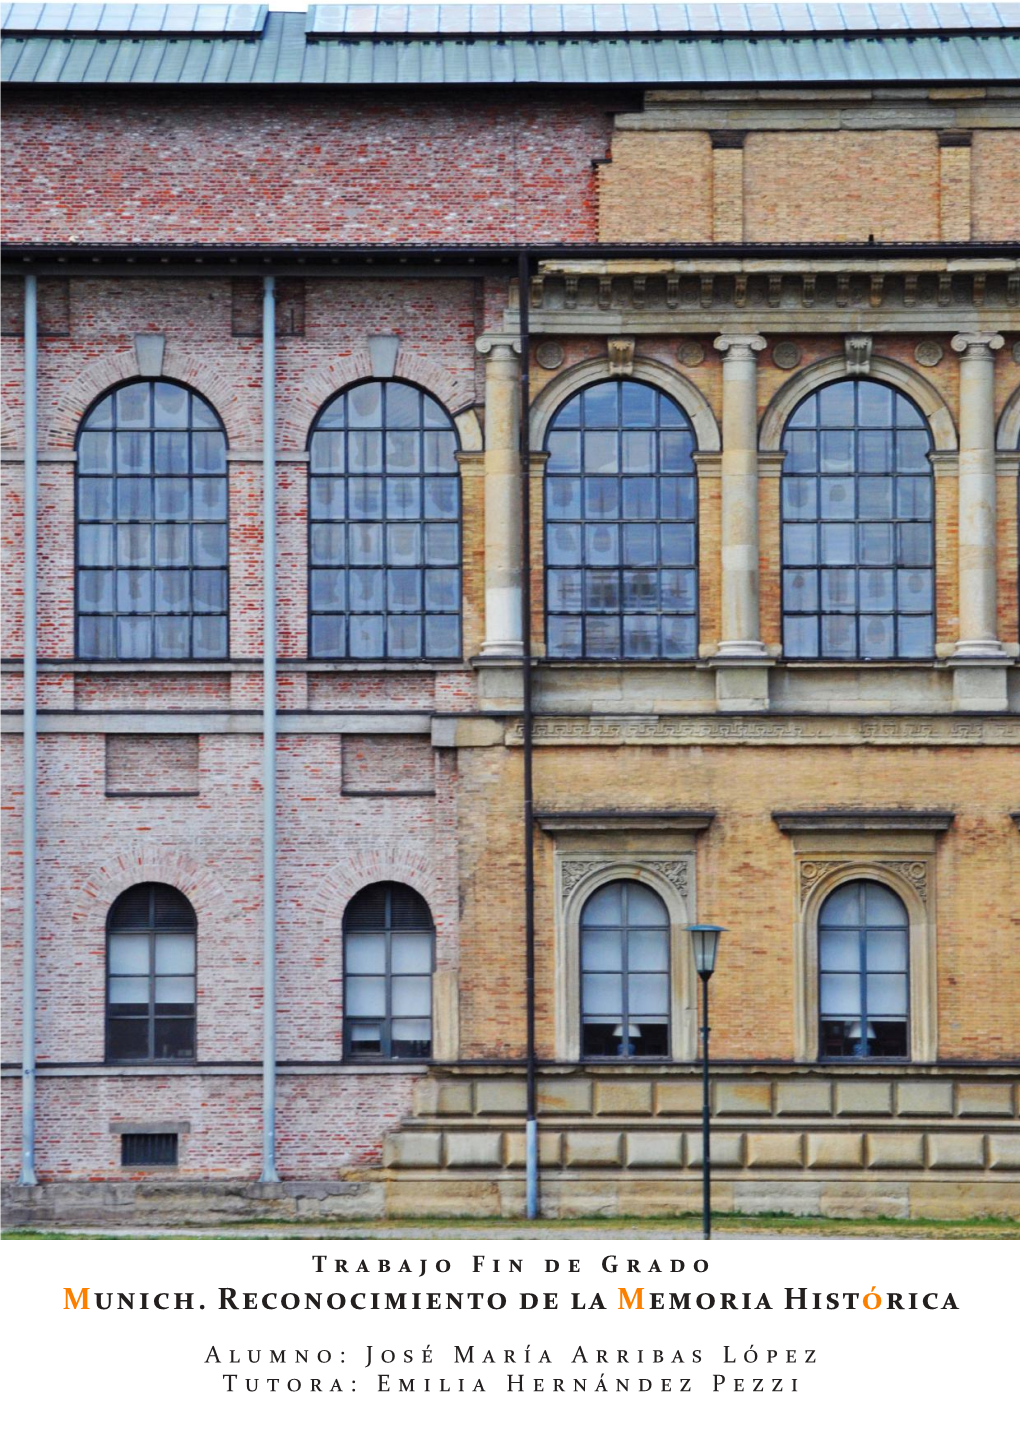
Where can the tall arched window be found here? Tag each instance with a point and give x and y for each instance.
(151, 937)
(152, 527)
(388, 960)
(384, 527)
(621, 551)
(624, 972)
(858, 533)
(863, 958)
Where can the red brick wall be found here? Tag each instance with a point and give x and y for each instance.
(351, 168)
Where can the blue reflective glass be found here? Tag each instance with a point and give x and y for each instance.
(383, 471)
(856, 498)
(621, 451)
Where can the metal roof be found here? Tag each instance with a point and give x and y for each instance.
(636, 19)
(134, 19)
(180, 45)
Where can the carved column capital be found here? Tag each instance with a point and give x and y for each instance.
(739, 347)
(498, 347)
(977, 344)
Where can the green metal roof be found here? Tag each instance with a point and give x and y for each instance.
(975, 44)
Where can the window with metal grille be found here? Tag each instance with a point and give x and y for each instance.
(858, 530)
(624, 972)
(621, 550)
(388, 962)
(148, 1149)
(384, 542)
(151, 937)
(152, 545)
(863, 960)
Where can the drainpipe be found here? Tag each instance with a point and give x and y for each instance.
(28, 828)
(269, 1172)
(531, 1123)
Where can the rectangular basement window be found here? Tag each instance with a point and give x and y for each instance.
(148, 1149)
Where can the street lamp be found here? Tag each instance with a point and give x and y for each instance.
(705, 945)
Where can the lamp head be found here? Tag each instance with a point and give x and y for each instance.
(705, 944)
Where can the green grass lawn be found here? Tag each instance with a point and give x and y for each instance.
(765, 1224)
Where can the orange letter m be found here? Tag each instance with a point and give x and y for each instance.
(635, 1301)
(71, 1300)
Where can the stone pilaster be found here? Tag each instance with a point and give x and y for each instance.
(503, 636)
(740, 632)
(978, 640)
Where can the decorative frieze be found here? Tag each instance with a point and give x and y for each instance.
(769, 730)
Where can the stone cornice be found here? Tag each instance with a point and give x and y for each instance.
(837, 819)
(729, 730)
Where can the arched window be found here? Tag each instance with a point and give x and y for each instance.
(624, 972)
(384, 527)
(152, 527)
(858, 535)
(388, 960)
(621, 526)
(151, 935)
(863, 957)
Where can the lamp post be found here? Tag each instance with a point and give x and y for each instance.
(705, 944)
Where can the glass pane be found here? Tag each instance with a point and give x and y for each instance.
(563, 545)
(601, 404)
(915, 636)
(836, 404)
(839, 590)
(800, 500)
(442, 636)
(129, 990)
(842, 908)
(403, 497)
(412, 996)
(838, 497)
(134, 638)
(442, 545)
(95, 591)
(839, 636)
(602, 995)
(210, 636)
(887, 995)
(411, 952)
(648, 995)
(648, 951)
(874, 404)
(129, 955)
(365, 996)
(878, 637)
(836, 452)
(134, 499)
(134, 545)
(365, 952)
(800, 590)
(600, 450)
(837, 545)
(883, 907)
(403, 405)
(841, 995)
(365, 1040)
(637, 403)
(563, 636)
(874, 498)
(639, 498)
(679, 636)
(639, 545)
(172, 545)
(440, 498)
(127, 1039)
(366, 635)
(329, 590)
(209, 499)
(175, 991)
(640, 636)
(800, 636)
(839, 950)
(134, 590)
(800, 545)
(564, 452)
(95, 545)
(875, 545)
(171, 499)
(602, 545)
(210, 545)
(327, 636)
(174, 953)
(364, 405)
(95, 637)
(327, 543)
(171, 636)
(95, 499)
(95, 452)
(403, 637)
(887, 950)
(601, 498)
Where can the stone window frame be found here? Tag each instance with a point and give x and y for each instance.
(905, 863)
(583, 864)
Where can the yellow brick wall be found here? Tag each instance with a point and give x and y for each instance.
(746, 878)
(658, 187)
(897, 185)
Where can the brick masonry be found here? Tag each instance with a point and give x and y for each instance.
(368, 789)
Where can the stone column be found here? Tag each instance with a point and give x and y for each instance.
(977, 571)
(740, 632)
(503, 635)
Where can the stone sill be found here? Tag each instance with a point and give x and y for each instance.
(185, 1071)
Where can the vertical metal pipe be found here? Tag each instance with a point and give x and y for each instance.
(28, 826)
(706, 1115)
(531, 1125)
(269, 1172)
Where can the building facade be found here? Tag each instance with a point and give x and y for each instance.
(704, 341)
